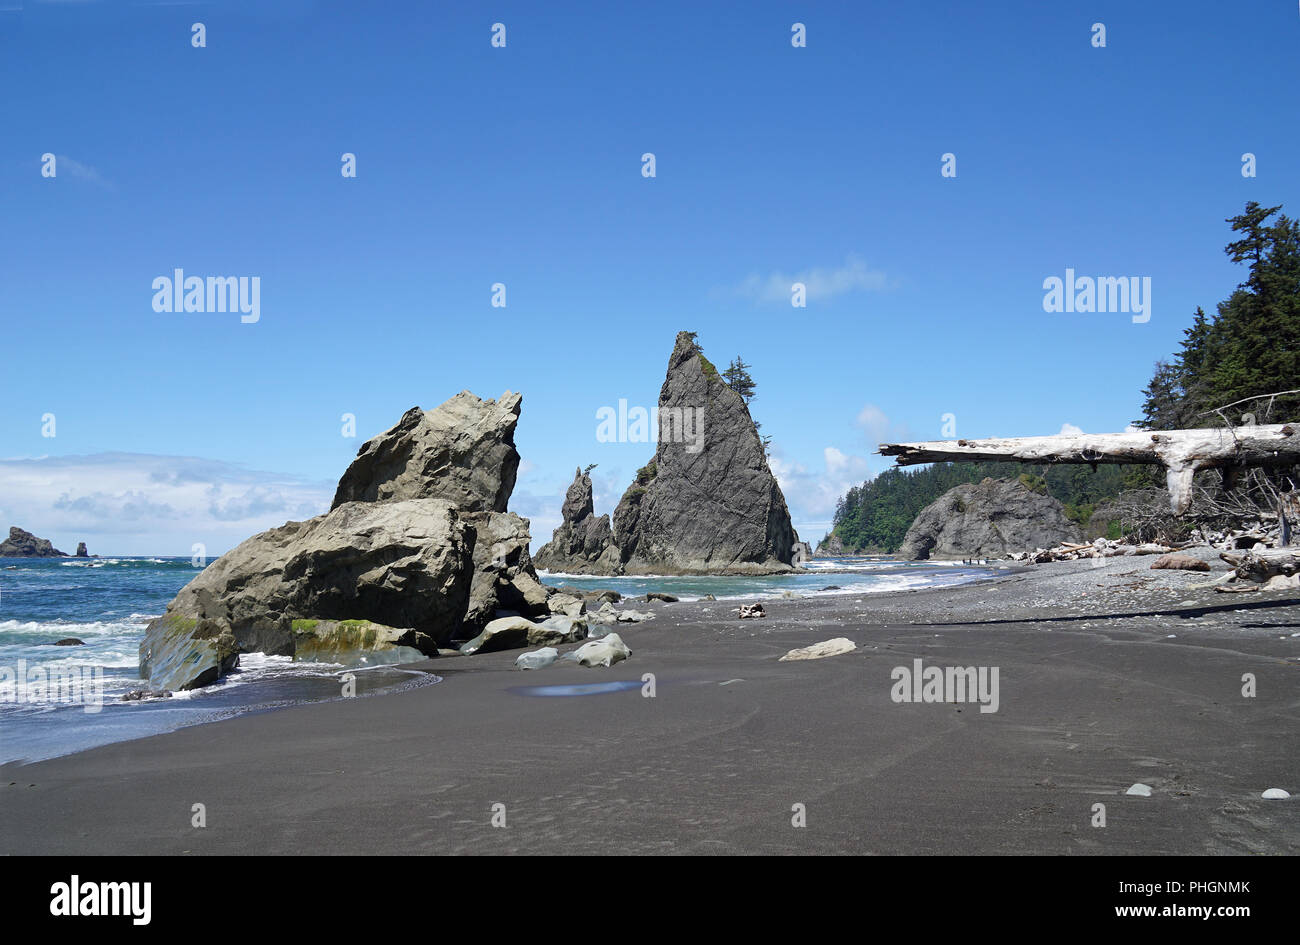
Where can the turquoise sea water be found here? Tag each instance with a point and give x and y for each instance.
(106, 602)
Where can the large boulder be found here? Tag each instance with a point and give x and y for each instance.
(987, 519)
(404, 565)
(463, 452)
(417, 549)
(23, 544)
(584, 543)
(707, 502)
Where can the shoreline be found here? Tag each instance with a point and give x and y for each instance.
(1109, 676)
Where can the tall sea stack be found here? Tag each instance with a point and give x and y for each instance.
(706, 504)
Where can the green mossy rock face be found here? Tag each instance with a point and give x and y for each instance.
(184, 653)
(357, 643)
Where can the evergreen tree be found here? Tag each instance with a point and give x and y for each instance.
(737, 377)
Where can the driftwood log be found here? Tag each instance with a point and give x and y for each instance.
(1182, 453)
(1261, 565)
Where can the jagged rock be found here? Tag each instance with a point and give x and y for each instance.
(990, 519)
(584, 543)
(504, 576)
(606, 651)
(404, 564)
(463, 453)
(69, 641)
(566, 604)
(81, 550)
(417, 548)
(707, 502)
(830, 547)
(23, 544)
(1171, 562)
(752, 611)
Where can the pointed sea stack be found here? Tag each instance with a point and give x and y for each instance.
(584, 543)
(707, 503)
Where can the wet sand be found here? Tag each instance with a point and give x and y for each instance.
(1094, 696)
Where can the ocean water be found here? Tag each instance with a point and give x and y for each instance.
(107, 602)
(55, 700)
(856, 575)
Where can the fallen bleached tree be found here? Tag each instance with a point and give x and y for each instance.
(1182, 453)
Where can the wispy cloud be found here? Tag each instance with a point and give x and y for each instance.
(878, 428)
(133, 503)
(82, 171)
(821, 283)
(811, 494)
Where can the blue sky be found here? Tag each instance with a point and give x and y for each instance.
(522, 165)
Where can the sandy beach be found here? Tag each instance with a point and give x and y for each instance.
(1109, 676)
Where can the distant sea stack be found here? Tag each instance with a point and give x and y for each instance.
(584, 543)
(416, 549)
(81, 550)
(706, 504)
(989, 519)
(23, 544)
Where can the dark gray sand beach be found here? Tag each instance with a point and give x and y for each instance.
(1108, 676)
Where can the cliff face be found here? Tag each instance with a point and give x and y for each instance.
(707, 503)
(991, 518)
(584, 543)
(23, 544)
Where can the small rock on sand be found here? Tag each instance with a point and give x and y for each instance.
(606, 651)
(1139, 790)
(836, 647)
(1275, 794)
(538, 658)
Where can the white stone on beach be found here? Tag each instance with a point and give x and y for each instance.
(606, 651)
(1139, 790)
(836, 647)
(538, 658)
(1275, 794)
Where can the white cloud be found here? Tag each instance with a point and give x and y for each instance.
(878, 428)
(1069, 429)
(812, 495)
(822, 283)
(141, 504)
(81, 171)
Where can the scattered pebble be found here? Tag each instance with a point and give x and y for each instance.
(1139, 790)
(1275, 794)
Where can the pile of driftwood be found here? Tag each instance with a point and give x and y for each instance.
(1101, 548)
(1262, 569)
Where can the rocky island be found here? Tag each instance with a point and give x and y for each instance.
(990, 519)
(23, 544)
